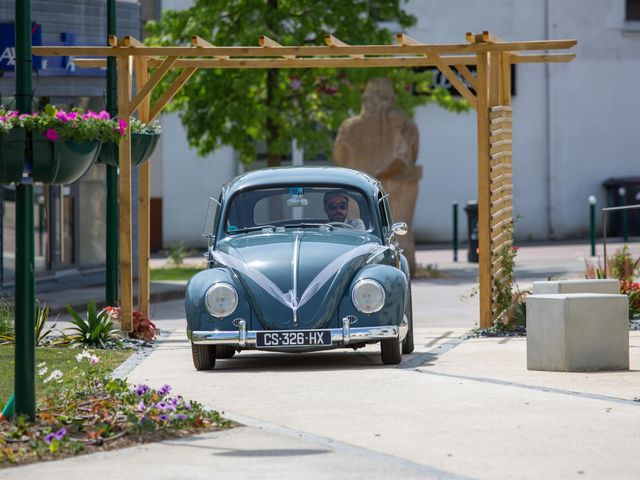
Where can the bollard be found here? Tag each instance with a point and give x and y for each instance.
(625, 218)
(592, 224)
(455, 231)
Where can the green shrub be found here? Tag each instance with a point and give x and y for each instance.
(96, 330)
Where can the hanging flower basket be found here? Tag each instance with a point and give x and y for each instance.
(142, 146)
(62, 161)
(12, 147)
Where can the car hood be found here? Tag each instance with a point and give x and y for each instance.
(296, 279)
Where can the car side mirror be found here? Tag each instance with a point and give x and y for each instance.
(399, 228)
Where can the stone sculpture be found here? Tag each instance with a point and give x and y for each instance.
(383, 142)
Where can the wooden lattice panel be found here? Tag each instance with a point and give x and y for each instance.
(501, 191)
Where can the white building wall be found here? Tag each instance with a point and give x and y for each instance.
(188, 182)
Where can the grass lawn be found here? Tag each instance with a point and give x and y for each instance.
(174, 273)
(57, 359)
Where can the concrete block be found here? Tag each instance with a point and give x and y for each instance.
(607, 285)
(577, 332)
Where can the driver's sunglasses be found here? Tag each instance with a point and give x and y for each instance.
(340, 205)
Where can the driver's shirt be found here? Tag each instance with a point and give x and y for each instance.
(356, 223)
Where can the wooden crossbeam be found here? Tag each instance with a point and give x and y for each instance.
(129, 41)
(332, 41)
(171, 92)
(112, 41)
(444, 68)
(267, 42)
(307, 51)
(149, 85)
(198, 42)
(468, 76)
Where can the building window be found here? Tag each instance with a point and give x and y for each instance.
(633, 10)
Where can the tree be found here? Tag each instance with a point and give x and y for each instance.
(243, 107)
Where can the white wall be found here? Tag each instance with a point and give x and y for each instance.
(188, 182)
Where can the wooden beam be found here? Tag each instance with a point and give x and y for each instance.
(144, 89)
(198, 42)
(332, 41)
(144, 182)
(171, 92)
(541, 57)
(129, 41)
(124, 188)
(369, 62)
(308, 51)
(267, 42)
(468, 76)
(444, 68)
(112, 41)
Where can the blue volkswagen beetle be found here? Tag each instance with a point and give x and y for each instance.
(301, 259)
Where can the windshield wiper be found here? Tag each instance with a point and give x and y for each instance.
(252, 229)
(303, 225)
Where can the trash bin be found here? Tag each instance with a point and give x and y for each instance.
(631, 196)
(472, 230)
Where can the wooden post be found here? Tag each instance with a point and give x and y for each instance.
(144, 181)
(484, 243)
(124, 161)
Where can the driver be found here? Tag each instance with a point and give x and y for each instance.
(336, 204)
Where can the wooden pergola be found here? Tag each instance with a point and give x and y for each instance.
(488, 92)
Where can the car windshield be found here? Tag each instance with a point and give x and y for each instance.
(297, 206)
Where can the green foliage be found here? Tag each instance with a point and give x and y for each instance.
(175, 273)
(7, 325)
(96, 330)
(177, 252)
(41, 327)
(623, 266)
(243, 107)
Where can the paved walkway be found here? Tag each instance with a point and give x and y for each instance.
(455, 408)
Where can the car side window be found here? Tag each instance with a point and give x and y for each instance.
(384, 214)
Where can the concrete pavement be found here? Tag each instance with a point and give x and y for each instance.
(455, 408)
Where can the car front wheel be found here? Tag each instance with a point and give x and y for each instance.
(391, 351)
(204, 356)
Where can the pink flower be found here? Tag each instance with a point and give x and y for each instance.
(3, 119)
(86, 116)
(51, 134)
(122, 126)
(62, 116)
(104, 115)
(72, 116)
(13, 114)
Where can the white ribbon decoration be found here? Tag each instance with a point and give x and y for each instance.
(290, 299)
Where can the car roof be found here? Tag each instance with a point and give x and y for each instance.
(330, 176)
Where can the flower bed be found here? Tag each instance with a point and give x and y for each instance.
(85, 410)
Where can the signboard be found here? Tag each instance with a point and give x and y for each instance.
(439, 80)
(45, 66)
(8, 45)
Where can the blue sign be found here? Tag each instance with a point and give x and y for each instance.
(8, 45)
(46, 66)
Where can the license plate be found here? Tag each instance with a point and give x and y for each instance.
(293, 338)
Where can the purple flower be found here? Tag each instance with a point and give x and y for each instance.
(141, 406)
(48, 438)
(163, 417)
(165, 389)
(60, 434)
(187, 405)
(162, 406)
(51, 134)
(180, 416)
(141, 389)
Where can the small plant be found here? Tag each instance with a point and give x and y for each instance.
(177, 252)
(42, 329)
(96, 330)
(143, 328)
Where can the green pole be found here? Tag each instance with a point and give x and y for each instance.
(25, 382)
(625, 218)
(455, 231)
(592, 224)
(112, 173)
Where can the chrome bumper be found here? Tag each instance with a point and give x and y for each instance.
(340, 337)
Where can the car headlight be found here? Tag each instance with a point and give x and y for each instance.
(221, 299)
(368, 296)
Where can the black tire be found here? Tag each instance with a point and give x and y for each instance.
(204, 356)
(391, 351)
(407, 344)
(225, 351)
